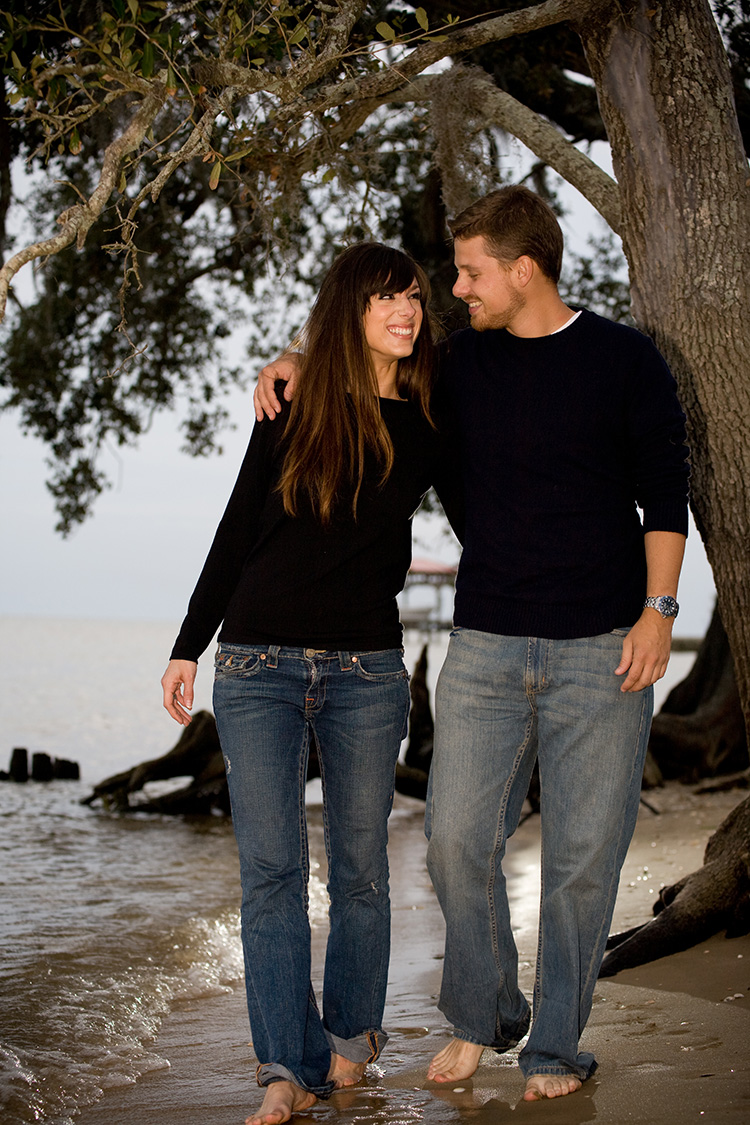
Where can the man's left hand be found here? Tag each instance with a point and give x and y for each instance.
(645, 651)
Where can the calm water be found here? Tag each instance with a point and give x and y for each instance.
(105, 920)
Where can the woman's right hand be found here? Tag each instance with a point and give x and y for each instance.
(286, 368)
(177, 683)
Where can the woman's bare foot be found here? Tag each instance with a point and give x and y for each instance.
(540, 1086)
(343, 1072)
(281, 1100)
(455, 1062)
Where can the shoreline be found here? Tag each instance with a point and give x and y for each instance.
(671, 1037)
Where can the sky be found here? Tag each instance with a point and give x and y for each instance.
(140, 554)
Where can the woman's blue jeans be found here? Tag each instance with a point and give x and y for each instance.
(267, 700)
(500, 702)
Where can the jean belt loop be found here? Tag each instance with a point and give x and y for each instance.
(345, 661)
(273, 656)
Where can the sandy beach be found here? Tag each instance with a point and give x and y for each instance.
(672, 1038)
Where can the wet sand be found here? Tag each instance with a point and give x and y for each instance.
(672, 1038)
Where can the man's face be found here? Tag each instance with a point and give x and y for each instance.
(487, 286)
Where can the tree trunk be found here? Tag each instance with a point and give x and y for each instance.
(679, 161)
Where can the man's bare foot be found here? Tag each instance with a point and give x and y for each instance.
(540, 1086)
(343, 1072)
(455, 1062)
(281, 1100)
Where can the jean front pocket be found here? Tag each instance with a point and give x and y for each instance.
(237, 660)
(385, 666)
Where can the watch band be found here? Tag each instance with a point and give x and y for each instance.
(664, 604)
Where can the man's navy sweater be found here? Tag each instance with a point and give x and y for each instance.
(562, 438)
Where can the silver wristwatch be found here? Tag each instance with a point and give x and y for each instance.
(664, 604)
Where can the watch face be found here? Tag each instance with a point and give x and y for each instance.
(667, 606)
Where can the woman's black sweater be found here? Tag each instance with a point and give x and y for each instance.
(274, 579)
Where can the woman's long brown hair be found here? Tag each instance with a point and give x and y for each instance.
(335, 420)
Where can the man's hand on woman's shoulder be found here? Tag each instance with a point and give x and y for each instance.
(265, 399)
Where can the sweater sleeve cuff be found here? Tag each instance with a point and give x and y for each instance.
(666, 516)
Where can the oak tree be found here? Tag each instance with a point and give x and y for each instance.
(245, 111)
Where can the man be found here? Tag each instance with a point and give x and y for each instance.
(563, 617)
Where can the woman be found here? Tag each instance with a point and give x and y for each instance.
(304, 570)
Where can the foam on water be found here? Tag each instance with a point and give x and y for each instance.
(107, 922)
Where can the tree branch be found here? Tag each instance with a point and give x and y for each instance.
(499, 107)
(545, 141)
(355, 99)
(197, 143)
(78, 220)
(336, 40)
(432, 51)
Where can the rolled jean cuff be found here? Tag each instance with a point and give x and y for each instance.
(466, 1038)
(364, 1048)
(583, 1068)
(266, 1073)
(499, 1046)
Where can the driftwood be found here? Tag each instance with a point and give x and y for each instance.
(413, 772)
(700, 729)
(197, 754)
(715, 898)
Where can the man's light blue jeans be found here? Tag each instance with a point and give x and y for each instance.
(500, 701)
(267, 699)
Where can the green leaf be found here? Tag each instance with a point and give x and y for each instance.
(133, 5)
(422, 19)
(243, 152)
(386, 31)
(17, 65)
(213, 183)
(147, 67)
(297, 35)
(171, 81)
(75, 142)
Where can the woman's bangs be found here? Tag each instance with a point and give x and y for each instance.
(392, 273)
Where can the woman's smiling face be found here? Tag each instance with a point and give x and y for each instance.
(392, 322)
